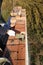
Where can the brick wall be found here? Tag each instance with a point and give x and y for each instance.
(16, 51)
(15, 46)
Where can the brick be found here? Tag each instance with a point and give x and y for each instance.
(16, 41)
(20, 28)
(18, 62)
(11, 37)
(21, 25)
(21, 62)
(13, 55)
(12, 47)
(22, 42)
(13, 41)
(14, 62)
(21, 52)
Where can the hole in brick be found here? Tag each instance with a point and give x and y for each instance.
(17, 51)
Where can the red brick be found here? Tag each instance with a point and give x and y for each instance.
(18, 62)
(21, 52)
(13, 41)
(16, 41)
(11, 37)
(20, 27)
(13, 55)
(21, 62)
(12, 47)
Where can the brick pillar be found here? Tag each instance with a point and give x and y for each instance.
(17, 51)
(16, 46)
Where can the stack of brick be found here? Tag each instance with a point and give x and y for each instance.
(17, 51)
(16, 46)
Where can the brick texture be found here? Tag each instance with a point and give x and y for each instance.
(15, 46)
